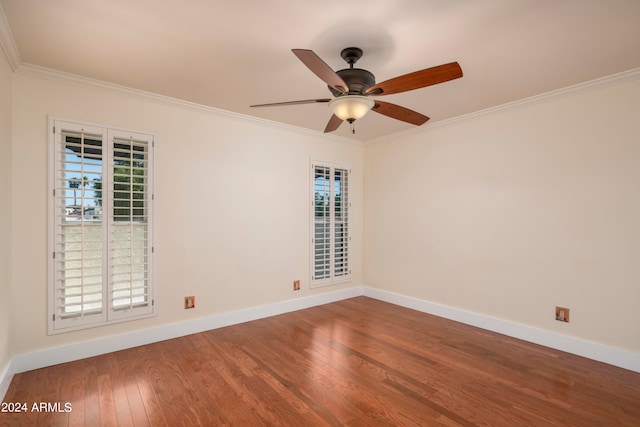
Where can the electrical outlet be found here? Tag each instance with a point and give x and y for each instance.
(562, 314)
(189, 302)
(296, 285)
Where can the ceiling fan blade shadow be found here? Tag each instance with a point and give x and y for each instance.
(305, 101)
(321, 69)
(418, 79)
(399, 113)
(334, 123)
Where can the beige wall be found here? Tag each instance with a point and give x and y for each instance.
(5, 212)
(232, 205)
(507, 213)
(515, 211)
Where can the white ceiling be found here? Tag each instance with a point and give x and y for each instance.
(231, 54)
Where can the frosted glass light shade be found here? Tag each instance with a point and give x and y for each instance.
(351, 107)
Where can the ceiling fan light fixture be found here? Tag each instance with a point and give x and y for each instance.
(351, 107)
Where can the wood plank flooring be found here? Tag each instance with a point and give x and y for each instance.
(358, 362)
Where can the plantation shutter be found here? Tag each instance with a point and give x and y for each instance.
(341, 223)
(129, 228)
(101, 230)
(78, 257)
(330, 238)
(322, 223)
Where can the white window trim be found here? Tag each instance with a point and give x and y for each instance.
(332, 279)
(108, 316)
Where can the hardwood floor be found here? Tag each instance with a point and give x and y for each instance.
(359, 362)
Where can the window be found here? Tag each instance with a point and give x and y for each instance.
(101, 214)
(330, 236)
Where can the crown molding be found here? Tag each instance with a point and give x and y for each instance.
(8, 43)
(95, 84)
(10, 48)
(618, 78)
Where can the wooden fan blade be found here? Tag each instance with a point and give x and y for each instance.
(305, 101)
(321, 69)
(399, 113)
(334, 123)
(418, 79)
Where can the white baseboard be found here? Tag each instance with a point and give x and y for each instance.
(67, 353)
(70, 352)
(589, 349)
(5, 380)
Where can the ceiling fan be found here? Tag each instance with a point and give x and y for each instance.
(354, 87)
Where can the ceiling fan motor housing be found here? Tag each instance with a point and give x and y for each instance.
(357, 79)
